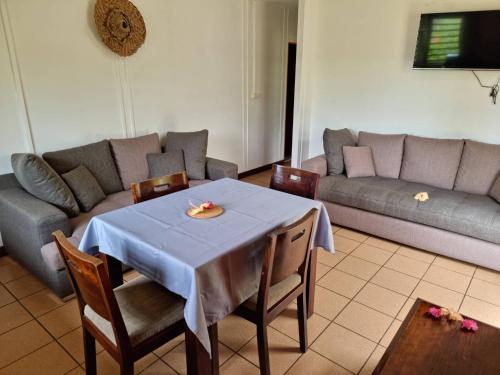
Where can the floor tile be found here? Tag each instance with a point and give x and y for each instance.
(438, 295)
(50, 359)
(235, 332)
(335, 228)
(21, 341)
(5, 297)
(240, 366)
(487, 275)
(364, 321)
(358, 267)
(342, 283)
(352, 234)
(321, 270)
(344, 347)
(373, 361)
(12, 316)
(313, 363)
(327, 303)
(165, 348)
(283, 351)
(381, 299)
(390, 333)
(416, 254)
(11, 271)
(288, 324)
(480, 310)
(158, 368)
(455, 265)
(73, 343)
(382, 244)
(76, 371)
(25, 286)
(345, 245)
(449, 279)
(485, 291)
(395, 281)
(62, 320)
(330, 259)
(106, 365)
(407, 265)
(41, 302)
(372, 254)
(405, 309)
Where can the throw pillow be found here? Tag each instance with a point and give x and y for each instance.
(333, 141)
(39, 179)
(130, 155)
(165, 164)
(358, 161)
(84, 185)
(495, 190)
(387, 152)
(194, 145)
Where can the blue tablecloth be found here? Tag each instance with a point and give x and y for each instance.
(214, 264)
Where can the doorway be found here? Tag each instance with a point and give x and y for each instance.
(290, 99)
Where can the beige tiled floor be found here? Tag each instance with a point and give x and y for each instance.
(364, 292)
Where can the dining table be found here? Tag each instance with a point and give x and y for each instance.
(214, 264)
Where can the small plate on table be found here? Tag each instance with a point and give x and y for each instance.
(207, 213)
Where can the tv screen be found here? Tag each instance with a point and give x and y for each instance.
(465, 40)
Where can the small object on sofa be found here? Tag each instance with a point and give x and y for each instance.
(422, 197)
(167, 163)
(85, 187)
(358, 161)
(38, 178)
(333, 141)
(194, 145)
(495, 190)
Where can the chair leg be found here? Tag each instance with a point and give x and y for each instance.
(263, 348)
(302, 318)
(90, 354)
(126, 368)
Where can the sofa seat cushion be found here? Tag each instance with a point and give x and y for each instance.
(472, 215)
(193, 183)
(147, 308)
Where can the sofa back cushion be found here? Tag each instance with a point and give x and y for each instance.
(495, 190)
(166, 163)
(387, 150)
(333, 141)
(431, 161)
(131, 157)
(194, 145)
(40, 180)
(479, 168)
(95, 156)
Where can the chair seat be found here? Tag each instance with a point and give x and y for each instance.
(147, 309)
(276, 292)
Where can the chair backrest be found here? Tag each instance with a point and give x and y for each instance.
(295, 181)
(159, 186)
(90, 281)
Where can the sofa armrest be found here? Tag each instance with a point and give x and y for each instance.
(217, 169)
(317, 165)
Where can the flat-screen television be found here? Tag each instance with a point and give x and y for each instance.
(464, 40)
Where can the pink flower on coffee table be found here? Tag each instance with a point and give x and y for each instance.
(470, 325)
(435, 312)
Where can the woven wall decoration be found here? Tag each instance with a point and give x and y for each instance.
(120, 25)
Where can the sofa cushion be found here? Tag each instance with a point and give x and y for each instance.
(431, 161)
(96, 157)
(495, 190)
(194, 145)
(85, 187)
(472, 215)
(131, 157)
(194, 183)
(387, 152)
(333, 141)
(358, 161)
(479, 167)
(167, 163)
(40, 180)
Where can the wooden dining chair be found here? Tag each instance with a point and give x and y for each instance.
(159, 186)
(304, 184)
(129, 321)
(283, 279)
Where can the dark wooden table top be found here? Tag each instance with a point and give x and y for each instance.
(427, 346)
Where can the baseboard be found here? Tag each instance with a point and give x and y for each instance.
(264, 168)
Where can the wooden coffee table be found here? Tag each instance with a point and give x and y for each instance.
(427, 346)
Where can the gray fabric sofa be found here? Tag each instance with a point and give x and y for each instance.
(460, 221)
(26, 223)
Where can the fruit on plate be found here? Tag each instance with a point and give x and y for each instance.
(202, 207)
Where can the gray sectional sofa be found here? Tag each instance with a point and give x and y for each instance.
(460, 220)
(26, 222)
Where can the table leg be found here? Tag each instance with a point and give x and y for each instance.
(198, 359)
(311, 282)
(114, 267)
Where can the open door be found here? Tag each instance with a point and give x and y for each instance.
(290, 99)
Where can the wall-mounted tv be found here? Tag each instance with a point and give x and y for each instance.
(464, 40)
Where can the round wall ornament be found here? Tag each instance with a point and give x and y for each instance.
(120, 25)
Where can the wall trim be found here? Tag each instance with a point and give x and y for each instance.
(21, 101)
(125, 98)
(245, 5)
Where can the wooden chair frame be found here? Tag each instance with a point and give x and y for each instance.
(159, 186)
(91, 283)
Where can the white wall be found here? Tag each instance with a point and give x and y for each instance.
(61, 87)
(356, 72)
